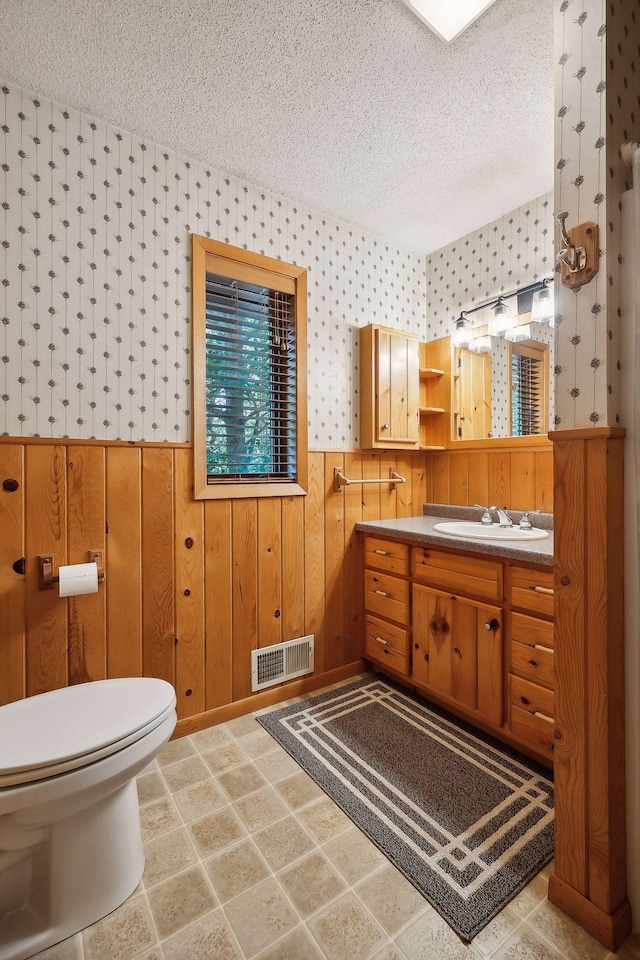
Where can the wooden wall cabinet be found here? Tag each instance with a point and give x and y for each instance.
(389, 389)
(474, 633)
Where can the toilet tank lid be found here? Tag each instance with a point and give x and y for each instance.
(64, 724)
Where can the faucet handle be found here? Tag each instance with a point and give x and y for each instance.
(525, 522)
(486, 516)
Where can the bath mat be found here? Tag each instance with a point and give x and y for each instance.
(467, 820)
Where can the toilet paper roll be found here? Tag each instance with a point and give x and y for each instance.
(78, 578)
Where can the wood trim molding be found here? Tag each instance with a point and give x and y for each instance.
(268, 698)
(590, 862)
(586, 433)
(609, 929)
(77, 442)
(504, 444)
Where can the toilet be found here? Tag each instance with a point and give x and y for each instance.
(70, 839)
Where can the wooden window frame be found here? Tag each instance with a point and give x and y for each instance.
(244, 265)
(537, 351)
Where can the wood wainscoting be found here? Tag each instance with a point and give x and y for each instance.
(512, 474)
(191, 587)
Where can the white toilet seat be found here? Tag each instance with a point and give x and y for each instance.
(57, 732)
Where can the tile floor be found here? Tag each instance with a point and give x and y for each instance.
(247, 858)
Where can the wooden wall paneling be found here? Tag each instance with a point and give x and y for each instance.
(269, 571)
(404, 491)
(158, 585)
(370, 491)
(86, 531)
(123, 564)
(500, 479)
(353, 563)
(218, 590)
(292, 567)
(334, 542)
(604, 656)
(46, 532)
(421, 484)
(523, 480)
(189, 586)
(459, 479)
(12, 582)
(388, 491)
(245, 593)
(479, 479)
(314, 558)
(441, 478)
(544, 481)
(569, 612)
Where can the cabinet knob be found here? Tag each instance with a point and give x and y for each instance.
(385, 426)
(492, 624)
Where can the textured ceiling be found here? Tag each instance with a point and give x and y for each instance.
(350, 106)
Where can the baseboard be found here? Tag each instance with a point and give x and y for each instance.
(229, 711)
(609, 929)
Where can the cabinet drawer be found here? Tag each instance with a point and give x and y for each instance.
(537, 700)
(532, 590)
(388, 644)
(534, 664)
(530, 630)
(532, 731)
(388, 556)
(386, 595)
(457, 574)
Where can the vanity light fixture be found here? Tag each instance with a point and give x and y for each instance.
(542, 308)
(480, 345)
(462, 334)
(448, 19)
(500, 309)
(518, 333)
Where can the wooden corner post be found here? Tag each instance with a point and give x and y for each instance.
(589, 882)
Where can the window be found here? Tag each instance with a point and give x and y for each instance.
(529, 371)
(249, 355)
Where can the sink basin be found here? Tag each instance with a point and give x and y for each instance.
(480, 531)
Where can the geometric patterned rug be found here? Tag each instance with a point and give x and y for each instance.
(467, 820)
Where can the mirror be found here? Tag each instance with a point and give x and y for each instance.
(502, 384)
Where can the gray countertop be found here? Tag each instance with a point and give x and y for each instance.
(421, 530)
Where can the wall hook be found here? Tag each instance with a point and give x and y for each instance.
(581, 252)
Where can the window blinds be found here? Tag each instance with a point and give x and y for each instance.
(526, 395)
(250, 381)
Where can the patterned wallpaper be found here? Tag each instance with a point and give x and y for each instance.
(596, 110)
(94, 340)
(581, 328)
(623, 123)
(507, 253)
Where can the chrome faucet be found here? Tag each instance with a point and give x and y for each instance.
(503, 517)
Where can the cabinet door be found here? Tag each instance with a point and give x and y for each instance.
(398, 380)
(458, 651)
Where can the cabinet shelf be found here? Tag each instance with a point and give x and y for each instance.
(430, 373)
(428, 411)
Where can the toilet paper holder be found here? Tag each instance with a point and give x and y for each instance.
(46, 566)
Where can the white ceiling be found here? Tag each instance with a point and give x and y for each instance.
(350, 106)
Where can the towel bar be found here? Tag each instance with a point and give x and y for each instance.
(341, 481)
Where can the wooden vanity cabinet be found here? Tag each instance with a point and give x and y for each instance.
(389, 389)
(475, 633)
(531, 657)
